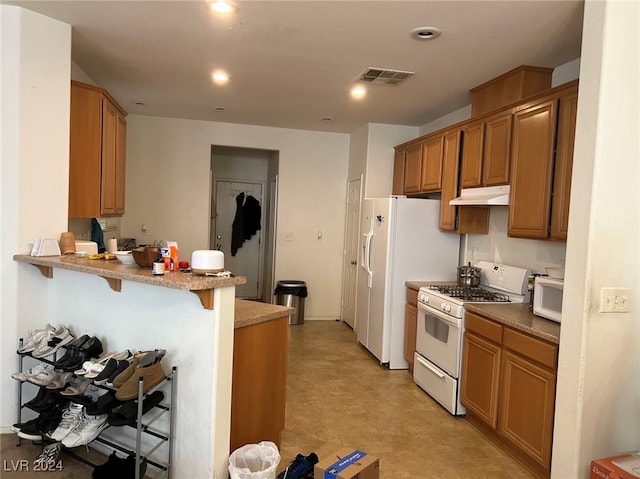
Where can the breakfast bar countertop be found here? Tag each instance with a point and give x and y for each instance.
(254, 312)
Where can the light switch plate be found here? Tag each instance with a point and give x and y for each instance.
(614, 300)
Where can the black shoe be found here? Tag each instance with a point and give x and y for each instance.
(127, 414)
(48, 402)
(122, 365)
(119, 467)
(44, 424)
(299, 467)
(108, 370)
(104, 404)
(72, 349)
(89, 349)
(42, 392)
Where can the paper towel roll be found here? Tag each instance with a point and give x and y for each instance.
(112, 245)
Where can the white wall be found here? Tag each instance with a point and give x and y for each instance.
(167, 188)
(598, 394)
(34, 170)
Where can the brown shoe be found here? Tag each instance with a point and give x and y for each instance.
(124, 376)
(151, 375)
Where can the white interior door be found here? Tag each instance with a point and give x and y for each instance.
(351, 248)
(247, 261)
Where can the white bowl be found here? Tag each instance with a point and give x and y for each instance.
(554, 272)
(125, 257)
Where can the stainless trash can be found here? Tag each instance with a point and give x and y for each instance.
(292, 293)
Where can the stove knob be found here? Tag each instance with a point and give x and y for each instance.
(443, 306)
(447, 308)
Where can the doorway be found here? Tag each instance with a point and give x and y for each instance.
(242, 174)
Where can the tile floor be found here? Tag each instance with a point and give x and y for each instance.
(339, 396)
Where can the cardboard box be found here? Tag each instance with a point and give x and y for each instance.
(348, 464)
(623, 466)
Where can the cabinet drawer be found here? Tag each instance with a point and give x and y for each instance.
(484, 327)
(532, 348)
(412, 297)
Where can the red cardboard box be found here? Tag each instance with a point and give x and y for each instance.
(348, 464)
(623, 466)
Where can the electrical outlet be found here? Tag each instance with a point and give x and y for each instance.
(614, 300)
(288, 237)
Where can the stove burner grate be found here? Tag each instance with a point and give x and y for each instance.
(471, 293)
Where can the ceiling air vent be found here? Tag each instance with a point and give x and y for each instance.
(384, 76)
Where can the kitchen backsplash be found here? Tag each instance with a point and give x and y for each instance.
(497, 246)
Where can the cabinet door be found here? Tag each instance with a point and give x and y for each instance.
(480, 378)
(398, 173)
(109, 148)
(410, 328)
(497, 150)
(532, 170)
(412, 169)
(85, 148)
(568, 110)
(527, 407)
(121, 163)
(431, 175)
(472, 149)
(450, 161)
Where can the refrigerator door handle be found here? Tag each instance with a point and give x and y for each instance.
(367, 258)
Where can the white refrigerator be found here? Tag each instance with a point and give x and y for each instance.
(400, 241)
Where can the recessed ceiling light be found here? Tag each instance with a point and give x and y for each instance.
(220, 77)
(425, 33)
(358, 92)
(221, 6)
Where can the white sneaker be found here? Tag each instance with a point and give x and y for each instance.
(70, 419)
(53, 341)
(34, 371)
(34, 338)
(45, 377)
(87, 429)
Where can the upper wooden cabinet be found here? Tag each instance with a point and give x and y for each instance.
(97, 153)
(563, 165)
(398, 172)
(486, 150)
(422, 171)
(450, 162)
(509, 87)
(412, 168)
(542, 146)
(431, 173)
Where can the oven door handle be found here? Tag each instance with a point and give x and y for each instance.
(450, 320)
(426, 364)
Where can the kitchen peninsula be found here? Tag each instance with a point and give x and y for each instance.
(191, 317)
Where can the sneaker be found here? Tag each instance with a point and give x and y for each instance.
(45, 377)
(43, 425)
(53, 341)
(299, 467)
(25, 375)
(48, 458)
(70, 419)
(34, 339)
(87, 429)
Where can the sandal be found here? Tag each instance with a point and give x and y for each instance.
(76, 387)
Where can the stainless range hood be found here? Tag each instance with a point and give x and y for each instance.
(485, 196)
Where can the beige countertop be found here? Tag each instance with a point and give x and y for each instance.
(114, 269)
(254, 312)
(518, 316)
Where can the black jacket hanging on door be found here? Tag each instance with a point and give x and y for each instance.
(237, 229)
(251, 217)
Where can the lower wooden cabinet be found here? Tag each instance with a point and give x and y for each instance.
(410, 326)
(259, 383)
(508, 387)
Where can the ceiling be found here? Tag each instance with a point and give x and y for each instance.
(292, 63)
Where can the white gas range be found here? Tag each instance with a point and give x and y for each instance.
(441, 311)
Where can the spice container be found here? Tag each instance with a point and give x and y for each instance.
(158, 266)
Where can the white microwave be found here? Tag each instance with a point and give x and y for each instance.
(547, 298)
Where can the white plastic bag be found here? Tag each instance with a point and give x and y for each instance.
(254, 461)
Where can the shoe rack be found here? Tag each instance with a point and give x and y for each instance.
(154, 437)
